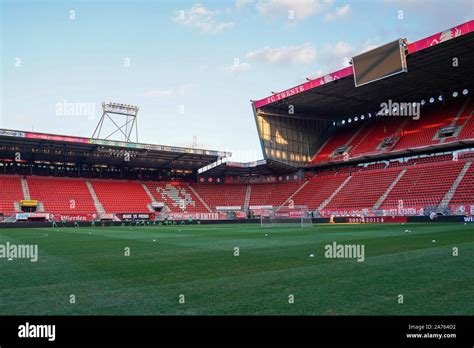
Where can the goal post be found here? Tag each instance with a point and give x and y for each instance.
(286, 216)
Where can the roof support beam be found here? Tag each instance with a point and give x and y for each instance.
(278, 113)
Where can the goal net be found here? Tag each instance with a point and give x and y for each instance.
(286, 216)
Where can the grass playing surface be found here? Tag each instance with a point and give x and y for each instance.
(199, 263)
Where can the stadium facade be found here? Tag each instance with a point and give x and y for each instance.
(399, 144)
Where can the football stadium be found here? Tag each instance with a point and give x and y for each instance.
(362, 204)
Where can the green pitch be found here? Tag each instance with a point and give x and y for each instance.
(89, 267)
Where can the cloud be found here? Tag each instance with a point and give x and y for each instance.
(242, 3)
(330, 58)
(238, 68)
(323, 60)
(201, 18)
(341, 49)
(303, 54)
(300, 8)
(369, 44)
(336, 56)
(338, 13)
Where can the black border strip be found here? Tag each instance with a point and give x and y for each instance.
(289, 330)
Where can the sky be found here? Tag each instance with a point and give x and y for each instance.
(192, 67)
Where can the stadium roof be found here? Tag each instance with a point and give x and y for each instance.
(430, 71)
(49, 147)
(262, 167)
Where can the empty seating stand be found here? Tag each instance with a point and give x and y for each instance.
(61, 195)
(273, 194)
(340, 138)
(422, 132)
(364, 189)
(222, 195)
(408, 133)
(11, 192)
(465, 191)
(121, 196)
(380, 129)
(177, 196)
(423, 185)
(467, 122)
(318, 189)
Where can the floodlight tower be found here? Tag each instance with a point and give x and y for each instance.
(124, 114)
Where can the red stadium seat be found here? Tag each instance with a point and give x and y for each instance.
(465, 191)
(318, 189)
(273, 194)
(121, 196)
(364, 189)
(61, 195)
(363, 139)
(222, 195)
(178, 197)
(423, 185)
(11, 192)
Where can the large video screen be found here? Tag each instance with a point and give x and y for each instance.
(379, 63)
